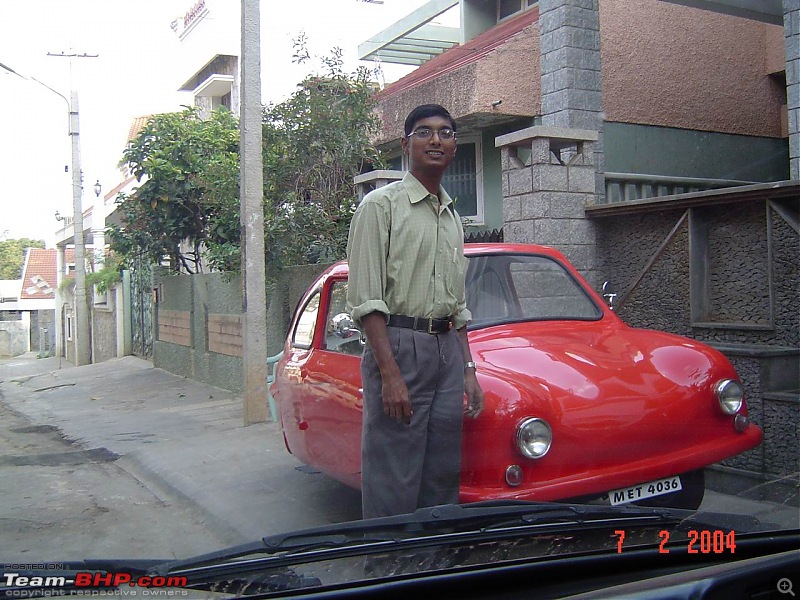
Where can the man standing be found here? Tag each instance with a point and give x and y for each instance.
(406, 288)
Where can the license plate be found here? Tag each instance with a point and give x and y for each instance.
(645, 490)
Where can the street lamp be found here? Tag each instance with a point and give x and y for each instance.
(83, 351)
(97, 188)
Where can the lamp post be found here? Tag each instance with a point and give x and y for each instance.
(81, 310)
(98, 226)
(83, 350)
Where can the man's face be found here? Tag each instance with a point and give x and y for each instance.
(432, 155)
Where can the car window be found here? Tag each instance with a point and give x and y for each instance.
(306, 323)
(545, 290)
(524, 287)
(341, 334)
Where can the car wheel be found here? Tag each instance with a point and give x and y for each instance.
(691, 495)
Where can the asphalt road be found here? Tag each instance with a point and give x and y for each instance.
(62, 502)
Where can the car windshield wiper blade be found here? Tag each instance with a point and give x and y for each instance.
(431, 526)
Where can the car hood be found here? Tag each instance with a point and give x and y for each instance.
(592, 361)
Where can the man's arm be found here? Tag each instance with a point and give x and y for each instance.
(396, 403)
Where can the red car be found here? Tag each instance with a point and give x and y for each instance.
(578, 404)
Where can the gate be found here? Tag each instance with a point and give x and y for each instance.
(142, 307)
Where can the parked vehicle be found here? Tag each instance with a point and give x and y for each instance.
(578, 404)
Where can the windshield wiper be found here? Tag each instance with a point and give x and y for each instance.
(436, 526)
(268, 561)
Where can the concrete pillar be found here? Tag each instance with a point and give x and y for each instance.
(548, 181)
(254, 285)
(791, 28)
(60, 273)
(366, 182)
(570, 71)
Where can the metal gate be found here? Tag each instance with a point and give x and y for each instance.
(142, 307)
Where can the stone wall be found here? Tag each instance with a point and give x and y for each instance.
(13, 338)
(791, 28)
(198, 323)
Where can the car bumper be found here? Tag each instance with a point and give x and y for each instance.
(601, 480)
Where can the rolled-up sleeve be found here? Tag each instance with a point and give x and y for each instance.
(462, 315)
(367, 247)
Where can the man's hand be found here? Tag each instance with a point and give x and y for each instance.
(473, 393)
(396, 404)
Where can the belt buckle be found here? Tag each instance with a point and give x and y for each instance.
(430, 326)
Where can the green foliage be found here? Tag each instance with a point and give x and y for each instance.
(66, 283)
(176, 157)
(12, 256)
(104, 279)
(314, 144)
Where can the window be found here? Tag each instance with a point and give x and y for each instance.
(306, 324)
(69, 326)
(463, 179)
(341, 334)
(508, 8)
(519, 287)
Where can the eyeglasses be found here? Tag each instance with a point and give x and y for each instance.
(426, 133)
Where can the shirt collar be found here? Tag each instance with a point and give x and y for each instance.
(418, 193)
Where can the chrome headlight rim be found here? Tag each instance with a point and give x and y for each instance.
(730, 396)
(539, 429)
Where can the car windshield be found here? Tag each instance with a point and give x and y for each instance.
(340, 295)
(514, 287)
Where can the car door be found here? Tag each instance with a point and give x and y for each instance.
(331, 388)
(291, 378)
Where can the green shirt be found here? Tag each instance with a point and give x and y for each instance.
(406, 254)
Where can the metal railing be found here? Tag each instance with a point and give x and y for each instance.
(621, 187)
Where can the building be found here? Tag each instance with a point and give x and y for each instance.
(109, 319)
(27, 306)
(655, 79)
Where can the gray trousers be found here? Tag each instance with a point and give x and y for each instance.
(405, 467)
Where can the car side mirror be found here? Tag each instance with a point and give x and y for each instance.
(608, 295)
(344, 327)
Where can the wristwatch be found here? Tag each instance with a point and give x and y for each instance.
(470, 365)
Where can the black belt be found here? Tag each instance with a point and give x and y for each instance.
(424, 324)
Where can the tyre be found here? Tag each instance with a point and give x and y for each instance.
(690, 497)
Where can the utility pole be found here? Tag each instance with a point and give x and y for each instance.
(251, 194)
(83, 346)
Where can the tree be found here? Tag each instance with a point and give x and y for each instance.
(175, 157)
(12, 256)
(315, 143)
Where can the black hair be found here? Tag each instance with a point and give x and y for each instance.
(428, 110)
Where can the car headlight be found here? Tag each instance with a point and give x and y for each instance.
(730, 395)
(534, 437)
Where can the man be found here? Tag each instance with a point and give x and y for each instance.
(406, 288)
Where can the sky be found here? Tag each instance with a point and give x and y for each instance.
(139, 66)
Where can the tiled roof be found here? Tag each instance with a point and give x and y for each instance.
(39, 274)
(458, 56)
(137, 125)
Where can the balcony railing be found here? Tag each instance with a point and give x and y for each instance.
(621, 187)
